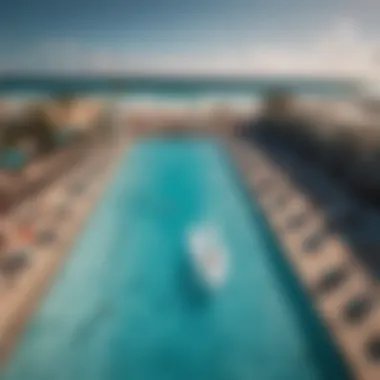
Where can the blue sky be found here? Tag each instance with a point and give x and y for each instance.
(114, 35)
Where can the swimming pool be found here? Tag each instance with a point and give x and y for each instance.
(128, 306)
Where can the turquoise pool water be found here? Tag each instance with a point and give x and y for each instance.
(128, 306)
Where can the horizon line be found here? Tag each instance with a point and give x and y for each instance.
(8, 74)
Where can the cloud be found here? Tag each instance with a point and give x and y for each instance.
(341, 50)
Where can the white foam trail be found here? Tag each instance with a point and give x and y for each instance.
(208, 255)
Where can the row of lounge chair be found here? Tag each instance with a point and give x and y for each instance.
(343, 153)
(340, 175)
(33, 235)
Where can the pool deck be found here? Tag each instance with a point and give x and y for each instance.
(61, 204)
(342, 292)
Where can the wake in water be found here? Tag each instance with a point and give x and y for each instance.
(208, 256)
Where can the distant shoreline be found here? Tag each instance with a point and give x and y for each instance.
(175, 85)
(148, 76)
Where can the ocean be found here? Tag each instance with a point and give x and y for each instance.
(180, 88)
